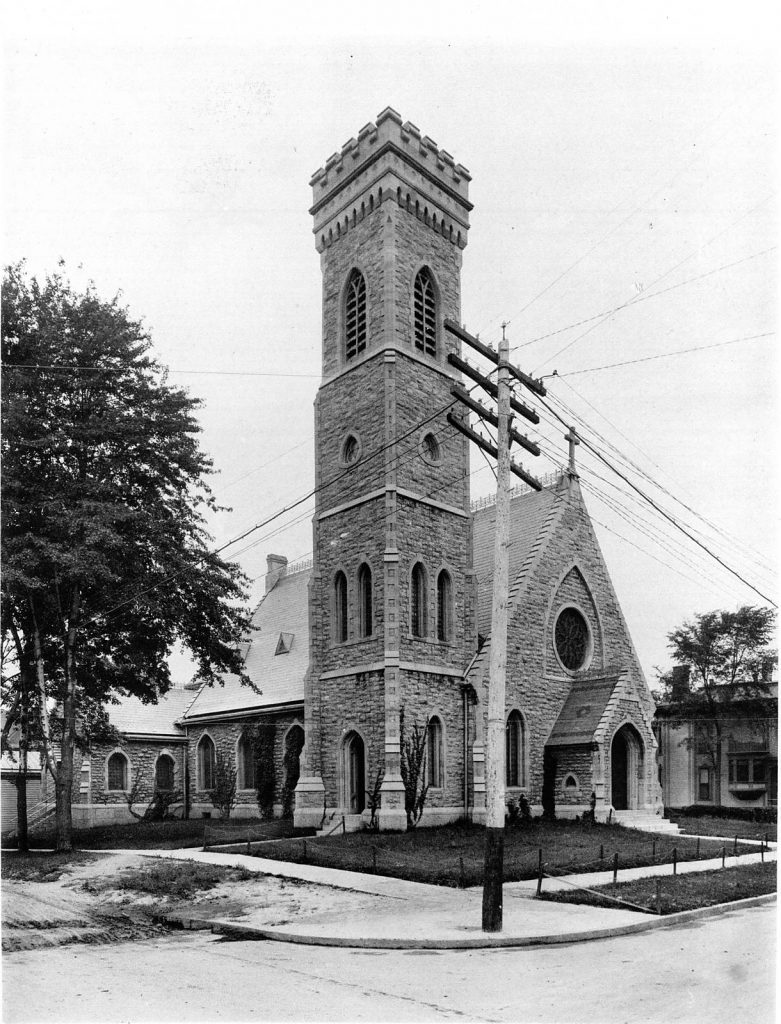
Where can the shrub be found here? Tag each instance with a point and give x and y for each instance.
(223, 795)
(413, 769)
(760, 814)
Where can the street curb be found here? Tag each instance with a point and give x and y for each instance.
(243, 931)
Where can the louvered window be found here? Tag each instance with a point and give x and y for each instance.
(444, 606)
(425, 313)
(340, 608)
(365, 599)
(418, 601)
(355, 315)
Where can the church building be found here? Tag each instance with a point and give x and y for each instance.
(392, 618)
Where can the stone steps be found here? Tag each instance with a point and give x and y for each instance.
(646, 822)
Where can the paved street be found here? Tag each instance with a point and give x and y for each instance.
(716, 970)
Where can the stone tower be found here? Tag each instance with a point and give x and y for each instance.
(392, 609)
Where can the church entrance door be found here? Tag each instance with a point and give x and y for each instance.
(626, 766)
(619, 762)
(354, 774)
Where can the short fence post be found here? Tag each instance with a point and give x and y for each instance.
(374, 859)
(610, 817)
(615, 870)
(675, 860)
(723, 856)
(658, 896)
(762, 852)
(539, 872)
(461, 879)
(653, 855)
(698, 847)
(344, 827)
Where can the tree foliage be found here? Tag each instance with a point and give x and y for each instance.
(106, 559)
(727, 653)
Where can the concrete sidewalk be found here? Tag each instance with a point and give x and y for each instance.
(409, 915)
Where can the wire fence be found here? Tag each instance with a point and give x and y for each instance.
(465, 869)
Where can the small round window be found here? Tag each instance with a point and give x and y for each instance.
(351, 449)
(432, 452)
(572, 639)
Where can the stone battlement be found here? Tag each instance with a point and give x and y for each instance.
(406, 139)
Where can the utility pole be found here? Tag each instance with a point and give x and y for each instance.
(495, 737)
(494, 750)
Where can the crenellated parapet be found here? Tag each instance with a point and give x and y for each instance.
(390, 161)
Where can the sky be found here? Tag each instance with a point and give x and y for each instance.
(623, 180)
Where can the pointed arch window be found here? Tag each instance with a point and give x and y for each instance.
(514, 750)
(365, 600)
(245, 756)
(340, 607)
(418, 601)
(206, 763)
(355, 315)
(164, 773)
(434, 759)
(117, 772)
(444, 606)
(425, 313)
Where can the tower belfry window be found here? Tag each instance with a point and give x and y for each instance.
(355, 315)
(425, 313)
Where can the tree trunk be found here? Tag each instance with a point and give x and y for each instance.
(64, 783)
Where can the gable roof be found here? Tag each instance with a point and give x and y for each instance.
(132, 717)
(583, 710)
(531, 515)
(278, 674)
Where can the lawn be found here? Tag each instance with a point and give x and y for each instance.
(679, 892)
(453, 854)
(40, 867)
(709, 825)
(164, 835)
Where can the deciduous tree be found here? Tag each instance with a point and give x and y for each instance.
(106, 558)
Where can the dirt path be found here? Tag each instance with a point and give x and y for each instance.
(90, 902)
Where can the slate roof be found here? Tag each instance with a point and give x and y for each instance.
(529, 513)
(280, 677)
(582, 711)
(133, 716)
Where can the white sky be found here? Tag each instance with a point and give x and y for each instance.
(168, 152)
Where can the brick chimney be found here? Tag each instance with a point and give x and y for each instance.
(680, 682)
(276, 566)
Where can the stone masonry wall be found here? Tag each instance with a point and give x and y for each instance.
(142, 758)
(537, 684)
(225, 736)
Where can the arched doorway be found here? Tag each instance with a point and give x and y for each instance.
(626, 761)
(354, 773)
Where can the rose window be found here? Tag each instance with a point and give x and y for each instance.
(572, 639)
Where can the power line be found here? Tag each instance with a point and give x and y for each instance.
(753, 556)
(661, 355)
(670, 519)
(34, 368)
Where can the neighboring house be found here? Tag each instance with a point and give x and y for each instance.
(394, 614)
(739, 768)
(9, 781)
